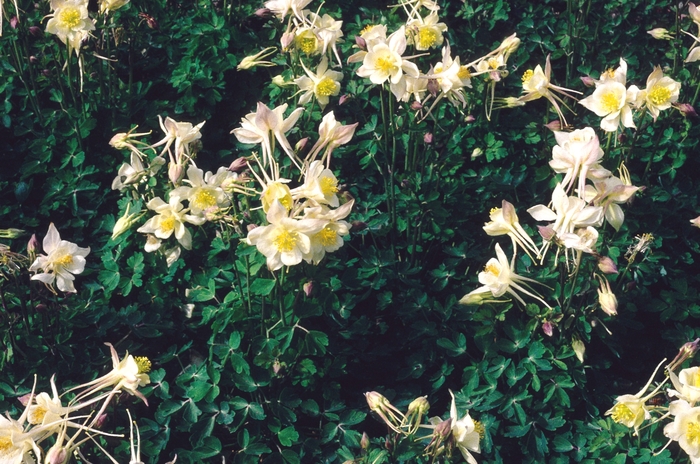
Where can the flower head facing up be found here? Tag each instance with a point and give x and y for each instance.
(63, 259)
(685, 428)
(170, 220)
(322, 84)
(660, 94)
(70, 22)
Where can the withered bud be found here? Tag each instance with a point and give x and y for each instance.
(588, 81)
(416, 105)
(36, 31)
(33, 59)
(547, 232)
(419, 406)
(607, 265)
(238, 165)
(344, 99)
(357, 226)
(309, 288)
(548, 328)
(443, 429)
(469, 119)
(428, 138)
(686, 110)
(264, 13)
(362, 43)
(301, 145)
(46, 72)
(433, 87)
(364, 441)
(553, 125)
(622, 138)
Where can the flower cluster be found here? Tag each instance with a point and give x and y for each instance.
(51, 430)
(461, 433)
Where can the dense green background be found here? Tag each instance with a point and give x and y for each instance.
(383, 316)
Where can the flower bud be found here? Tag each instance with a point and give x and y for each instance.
(301, 145)
(364, 441)
(124, 223)
(428, 138)
(46, 73)
(14, 21)
(416, 105)
(419, 406)
(36, 31)
(308, 288)
(100, 421)
(588, 81)
(357, 226)
(553, 125)
(250, 227)
(548, 328)
(469, 119)
(606, 265)
(477, 152)
(362, 43)
(264, 13)
(344, 99)
(606, 298)
(238, 165)
(695, 222)
(276, 366)
(25, 399)
(176, 172)
(660, 33)
(686, 109)
(376, 401)
(10, 233)
(443, 429)
(56, 455)
(433, 87)
(32, 245)
(547, 232)
(287, 40)
(33, 59)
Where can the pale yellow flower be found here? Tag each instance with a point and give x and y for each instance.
(108, 6)
(282, 8)
(331, 135)
(70, 22)
(685, 428)
(322, 84)
(426, 32)
(537, 84)
(63, 259)
(204, 191)
(660, 94)
(606, 297)
(504, 221)
(170, 220)
(465, 433)
(257, 59)
(330, 237)
(611, 100)
(686, 384)
(320, 185)
(575, 153)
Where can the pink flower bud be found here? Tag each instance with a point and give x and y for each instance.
(14, 21)
(25, 399)
(433, 87)
(309, 288)
(175, 173)
(443, 429)
(287, 40)
(46, 72)
(548, 328)
(357, 226)
(238, 165)
(607, 265)
(250, 227)
(546, 232)
(416, 105)
(553, 125)
(33, 245)
(56, 455)
(33, 59)
(469, 119)
(362, 43)
(264, 13)
(301, 144)
(588, 81)
(364, 441)
(276, 366)
(695, 222)
(36, 31)
(428, 138)
(101, 420)
(686, 109)
(344, 99)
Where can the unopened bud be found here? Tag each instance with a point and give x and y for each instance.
(469, 119)
(607, 265)
(686, 110)
(287, 40)
(301, 145)
(25, 399)
(548, 328)
(588, 81)
(364, 441)
(101, 420)
(428, 138)
(376, 401)
(357, 226)
(606, 298)
(176, 172)
(362, 43)
(695, 222)
(152, 23)
(46, 72)
(433, 87)
(238, 165)
(33, 59)
(344, 99)
(36, 31)
(276, 366)
(477, 152)
(14, 21)
(264, 13)
(443, 429)
(250, 227)
(419, 406)
(10, 233)
(660, 33)
(124, 223)
(308, 288)
(56, 455)
(41, 308)
(553, 125)
(547, 232)
(416, 105)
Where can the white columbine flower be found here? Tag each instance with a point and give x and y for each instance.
(70, 22)
(611, 100)
(660, 94)
(426, 32)
(170, 220)
(575, 153)
(63, 259)
(685, 428)
(204, 192)
(465, 433)
(321, 84)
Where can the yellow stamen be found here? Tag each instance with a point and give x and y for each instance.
(609, 73)
(143, 363)
(464, 73)
(327, 236)
(493, 63)
(167, 224)
(5, 445)
(492, 269)
(366, 29)
(69, 17)
(203, 199)
(307, 45)
(693, 433)
(326, 87)
(494, 210)
(63, 260)
(386, 65)
(659, 95)
(427, 37)
(479, 428)
(527, 75)
(286, 241)
(329, 186)
(610, 102)
(621, 413)
(37, 415)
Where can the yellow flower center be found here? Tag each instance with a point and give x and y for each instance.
(286, 241)
(493, 63)
(492, 268)
(693, 433)
(427, 37)
(203, 199)
(494, 210)
(696, 379)
(658, 95)
(621, 413)
(5, 445)
(167, 224)
(610, 102)
(366, 29)
(479, 428)
(327, 236)
(609, 73)
(326, 87)
(37, 415)
(464, 73)
(329, 186)
(69, 17)
(386, 65)
(306, 44)
(63, 260)
(143, 363)
(527, 75)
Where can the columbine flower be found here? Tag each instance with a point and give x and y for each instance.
(328, 32)
(695, 222)
(609, 194)
(426, 33)
(320, 185)
(256, 128)
(282, 8)
(631, 410)
(107, 6)
(504, 221)
(63, 259)
(575, 153)
(322, 84)
(285, 241)
(686, 384)
(451, 77)
(257, 60)
(660, 94)
(70, 22)
(205, 190)
(330, 237)
(16, 446)
(466, 433)
(612, 101)
(606, 297)
(498, 278)
(383, 62)
(170, 219)
(685, 428)
(182, 134)
(331, 135)
(369, 37)
(537, 84)
(660, 33)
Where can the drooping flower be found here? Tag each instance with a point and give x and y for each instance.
(504, 221)
(466, 433)
(609, 194)
(63, 259)
(328, 31)
(606, 297)
(108, 6)
(70, 22)
(575, 153)
(321, 84)
(660, 94)
(331, 135)
(257, 59)
(537, 84)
